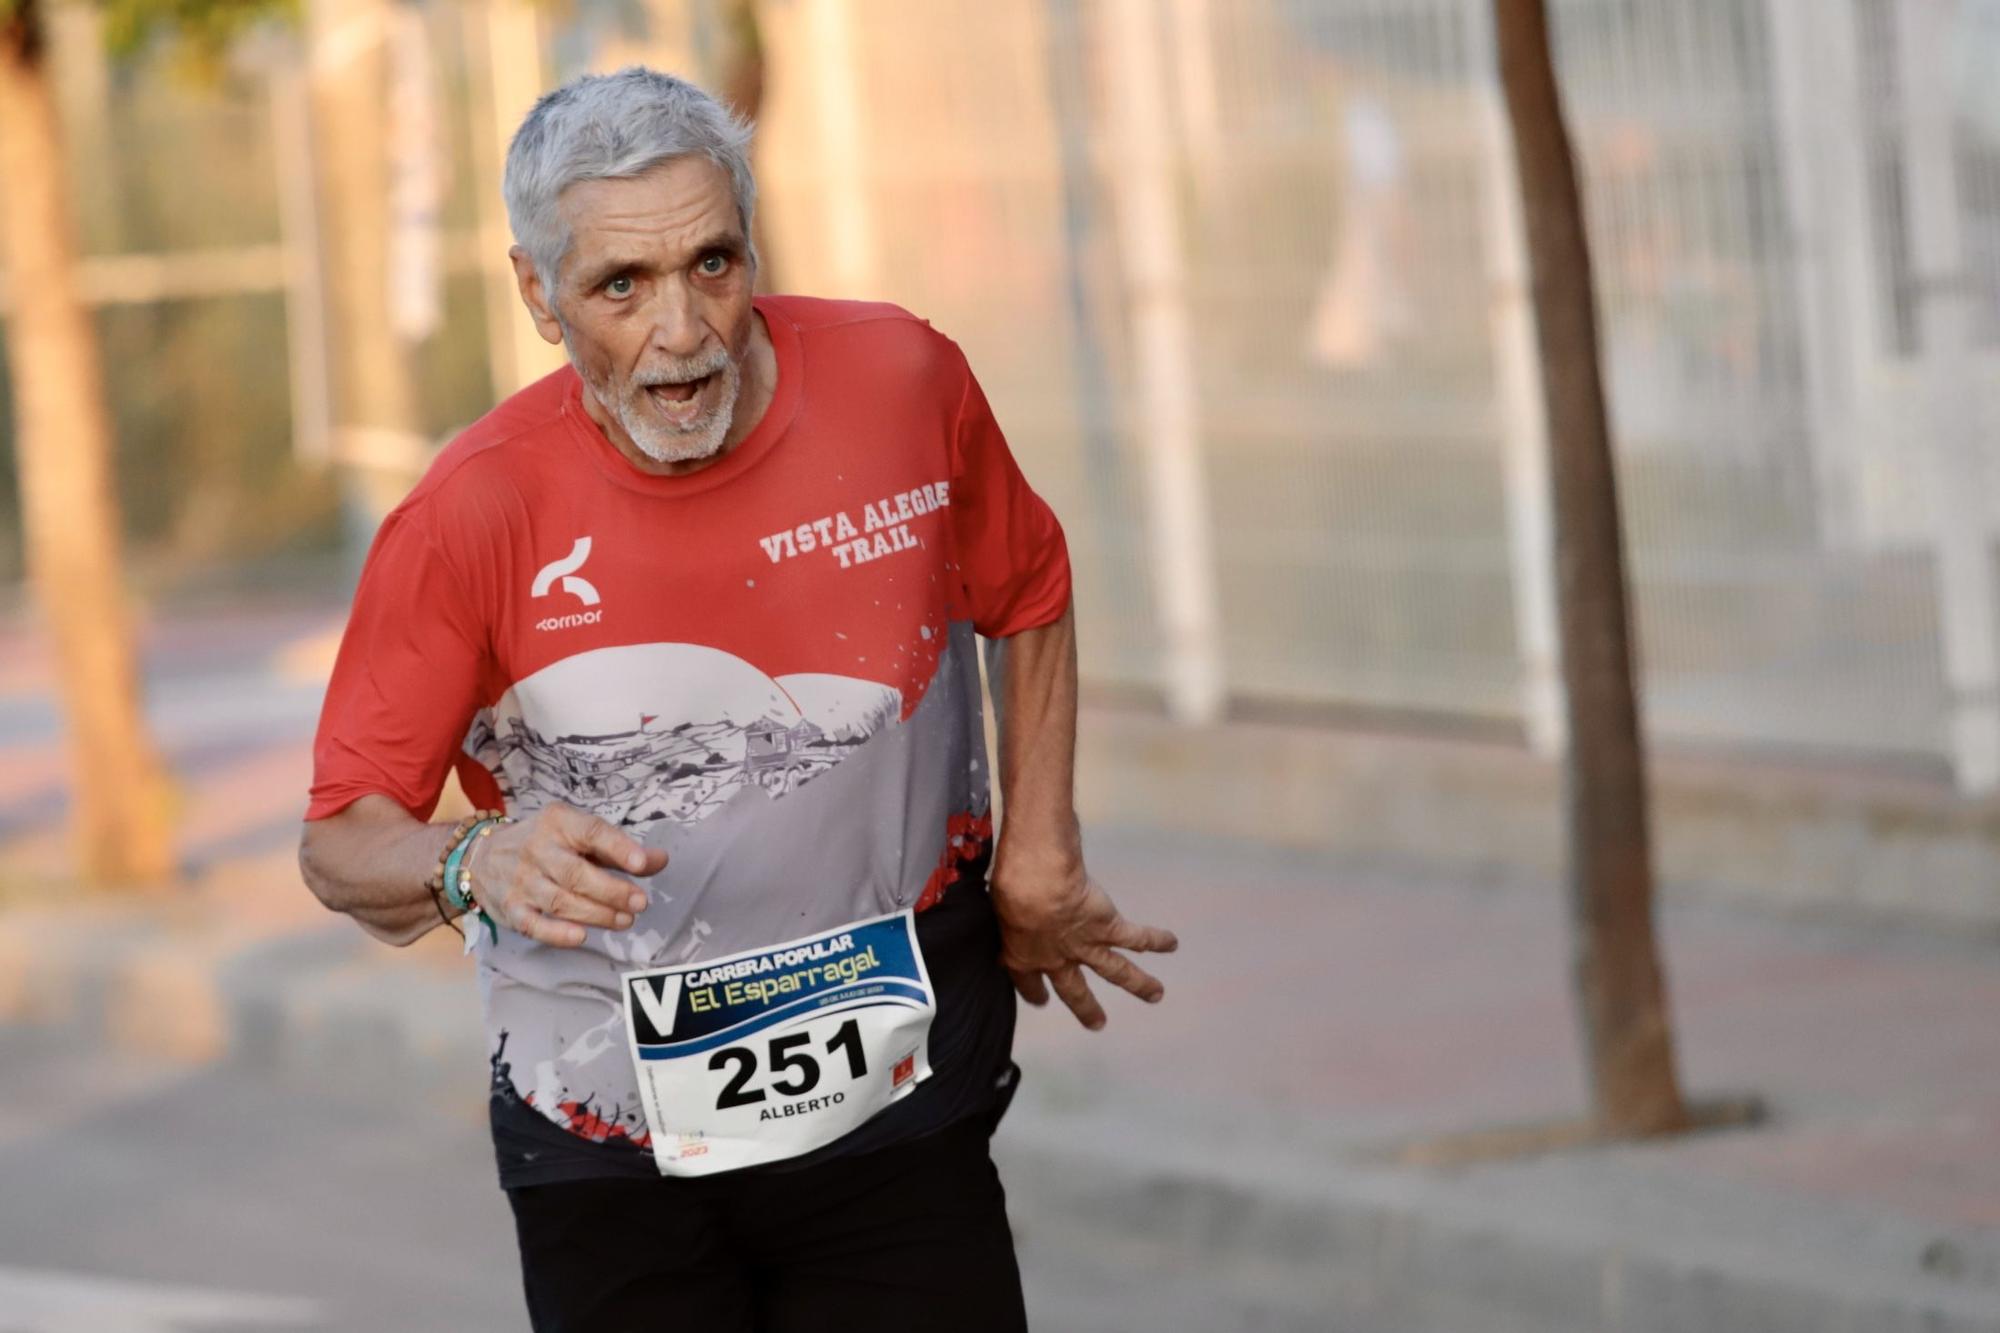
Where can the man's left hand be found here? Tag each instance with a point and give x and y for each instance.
(1054, 926)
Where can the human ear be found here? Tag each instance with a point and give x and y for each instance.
(534, 296)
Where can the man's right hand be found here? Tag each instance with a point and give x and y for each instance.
(555, 872)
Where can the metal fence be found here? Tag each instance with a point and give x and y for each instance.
(1243, 280)
(1803, 459)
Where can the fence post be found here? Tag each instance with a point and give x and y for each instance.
(1968, 614)
(305, 272)
(505, 39)
(1524, 432)
(1823, 178)
(1168, 417)
(832, 68)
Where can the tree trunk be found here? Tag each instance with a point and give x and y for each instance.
(1620, 986)
(63, 439)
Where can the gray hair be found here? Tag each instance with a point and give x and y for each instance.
(613, 127)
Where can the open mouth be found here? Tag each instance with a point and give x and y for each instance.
(680, 402)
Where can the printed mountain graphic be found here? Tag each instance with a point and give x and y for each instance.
(670, 731)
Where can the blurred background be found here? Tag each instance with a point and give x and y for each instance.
(1765, 182)
(1245, 283)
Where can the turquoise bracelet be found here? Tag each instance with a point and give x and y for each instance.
(451, 864)
(457, 879)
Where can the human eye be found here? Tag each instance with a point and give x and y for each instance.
(619, 286)
(713, 264)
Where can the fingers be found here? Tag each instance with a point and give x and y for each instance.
(584, 911)
(602, 842)
(550, 881)
(1125, 974)
(567, 872)
(544, 911)
(519, 915)
(1145, 939)
(1075, 993)
(1030, 987)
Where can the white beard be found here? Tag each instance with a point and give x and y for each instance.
(663, 441)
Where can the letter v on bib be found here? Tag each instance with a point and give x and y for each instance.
(659, 1005)
(565, 569)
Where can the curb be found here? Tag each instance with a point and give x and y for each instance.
(322, 999)
(332, 1004)
(1309, 1244)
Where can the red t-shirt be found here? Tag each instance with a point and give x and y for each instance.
(766, 666)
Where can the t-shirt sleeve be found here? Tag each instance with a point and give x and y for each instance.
(1010, 549)
(405, 684)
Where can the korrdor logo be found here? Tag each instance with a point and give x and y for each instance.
(579, 588)
(570, 621)
(565, 569)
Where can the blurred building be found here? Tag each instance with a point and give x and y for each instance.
(1244, 283)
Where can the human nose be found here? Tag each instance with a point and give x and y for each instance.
(678, 329)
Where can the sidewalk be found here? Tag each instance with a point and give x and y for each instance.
(1318, 1019)
(1226, 1160)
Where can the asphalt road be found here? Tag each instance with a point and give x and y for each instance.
(161, 1198)
(142, 1197)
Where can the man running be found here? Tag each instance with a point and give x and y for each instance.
(694, 620)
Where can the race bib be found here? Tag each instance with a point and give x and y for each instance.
(773, 1052)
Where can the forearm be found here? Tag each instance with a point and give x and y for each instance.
(1037, 697)
(371, 862)
(1054, 921)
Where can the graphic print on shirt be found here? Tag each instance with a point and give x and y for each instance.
(781, 777)
(670, 731)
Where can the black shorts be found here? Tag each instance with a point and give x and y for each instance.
(912, 1238)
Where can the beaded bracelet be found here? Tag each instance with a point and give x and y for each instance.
(436, 880)
(458, 833)
(458, 866)
(472, 905)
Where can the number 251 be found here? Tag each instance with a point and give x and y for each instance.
(786, 1057)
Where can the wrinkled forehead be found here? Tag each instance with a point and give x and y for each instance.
(666, 214)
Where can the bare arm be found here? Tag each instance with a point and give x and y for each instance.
(1054, 919)
(547, 877)
(370, 861)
